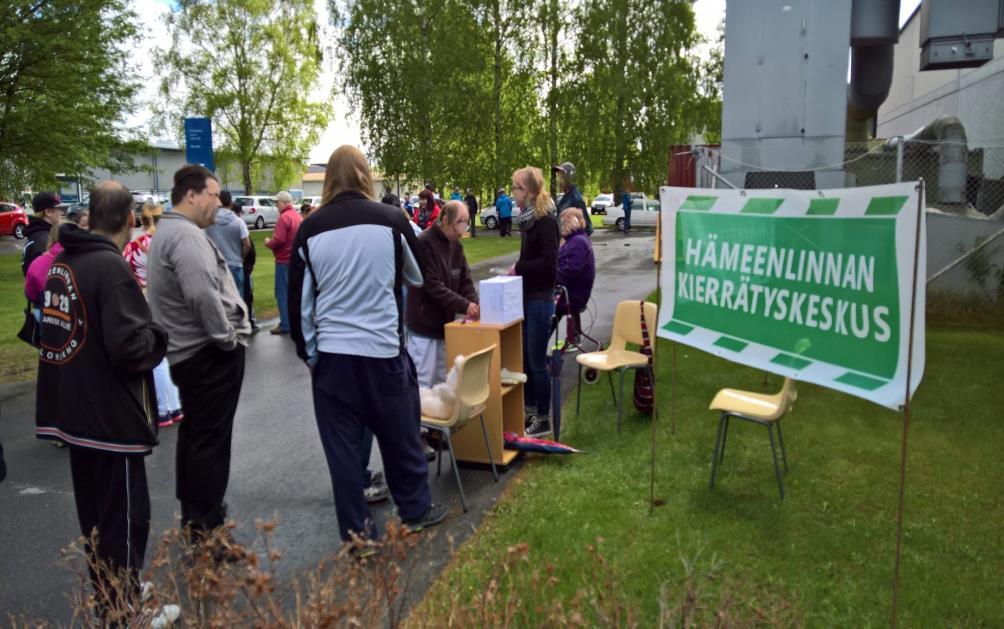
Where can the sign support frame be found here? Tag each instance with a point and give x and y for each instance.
(906, 408)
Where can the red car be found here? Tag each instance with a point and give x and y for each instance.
(13, 220)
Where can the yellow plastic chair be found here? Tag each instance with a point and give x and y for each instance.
(473, 388)
(759, 408)
(616, 357)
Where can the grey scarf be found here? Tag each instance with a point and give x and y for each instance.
(526, 219)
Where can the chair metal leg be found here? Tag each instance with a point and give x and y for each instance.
(780, 437)
(456, 471)
(439, 456)
(725, 436)
(610, 379)
(491, 455)
(714, 456)
(578, 392)
(777, 470)
(620, 403)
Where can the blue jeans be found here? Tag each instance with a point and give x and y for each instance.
(537, 315)
(238, 273)
(627, 219)
(282, 293)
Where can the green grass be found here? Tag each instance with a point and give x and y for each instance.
(476, 250)
(17, 359)
(824, 556)
(597, 220)
(263, 277)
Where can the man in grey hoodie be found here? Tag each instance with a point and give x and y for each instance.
(193, 296)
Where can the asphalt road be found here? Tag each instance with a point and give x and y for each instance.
(278, 467)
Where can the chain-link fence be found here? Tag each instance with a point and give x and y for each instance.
(961, 179)
(965, 257)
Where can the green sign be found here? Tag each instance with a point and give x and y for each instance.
(812, 285)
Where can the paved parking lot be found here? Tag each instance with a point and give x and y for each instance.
(278, 467)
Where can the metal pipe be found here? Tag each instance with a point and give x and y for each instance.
(899, 160)
(950, 136)
(718, 177)
(956, 262)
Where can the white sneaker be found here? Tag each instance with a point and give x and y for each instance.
(165, 617)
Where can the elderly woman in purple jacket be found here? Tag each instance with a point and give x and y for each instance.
(576, 266)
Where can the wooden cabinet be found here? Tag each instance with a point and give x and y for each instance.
(504, 411)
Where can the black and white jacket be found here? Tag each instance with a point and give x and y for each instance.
(351, 259)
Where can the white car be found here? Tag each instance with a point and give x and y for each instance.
(601, 203)
(258, 211)
(315, 202)
(489, 217)
(644, 213)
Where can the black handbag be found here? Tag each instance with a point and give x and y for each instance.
(644, 394)
(30, 332)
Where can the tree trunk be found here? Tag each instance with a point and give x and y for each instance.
(246, 175)
(497, 98)
(553, 26)
(617, 173)
(425, 131)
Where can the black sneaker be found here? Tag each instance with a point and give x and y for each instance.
(539, 427)
(428, 450)
(432, 517)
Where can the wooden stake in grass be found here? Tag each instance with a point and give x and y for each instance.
(657, 256)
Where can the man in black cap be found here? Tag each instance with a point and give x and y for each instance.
(47, 214)
(571, 198)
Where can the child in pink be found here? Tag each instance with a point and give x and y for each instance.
(34, 280)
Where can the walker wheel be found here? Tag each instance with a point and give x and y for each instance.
(590, 376)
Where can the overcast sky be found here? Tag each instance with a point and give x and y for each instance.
(344, 129)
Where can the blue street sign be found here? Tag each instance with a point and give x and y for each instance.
(199, 142)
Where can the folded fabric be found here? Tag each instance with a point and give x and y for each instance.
(512, 377)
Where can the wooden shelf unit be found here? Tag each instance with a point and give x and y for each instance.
(504, 410)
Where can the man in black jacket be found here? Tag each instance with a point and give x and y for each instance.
(473, 208)
(99, 346)
(47, 214)
(448, 290)
(571, 197)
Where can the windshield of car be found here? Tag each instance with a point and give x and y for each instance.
(605, 197)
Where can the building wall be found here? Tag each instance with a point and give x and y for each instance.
(972, 95)
(162, 164)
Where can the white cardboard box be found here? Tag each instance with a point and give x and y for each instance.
(501, 299)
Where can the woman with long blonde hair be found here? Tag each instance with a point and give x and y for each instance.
(349, 264)
(538, 265)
